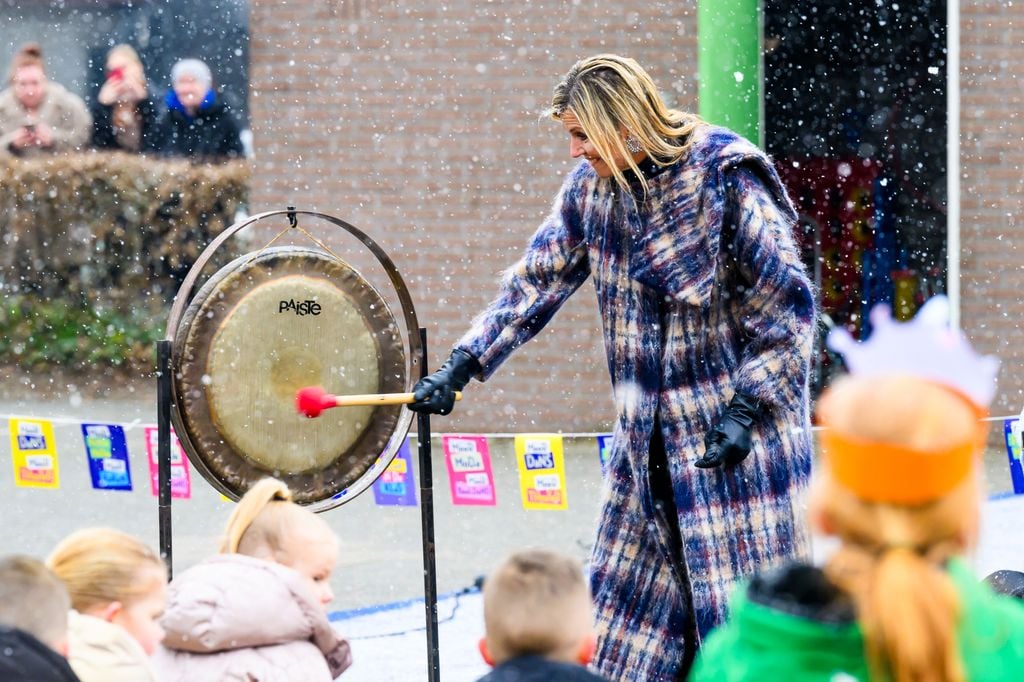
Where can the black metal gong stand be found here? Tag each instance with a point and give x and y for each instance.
(163, 393)
(423, 437)
(427, 521)
(163, 449)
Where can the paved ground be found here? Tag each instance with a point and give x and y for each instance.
(381, 655)
(381, 558)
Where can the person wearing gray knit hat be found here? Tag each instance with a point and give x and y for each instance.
(197, 124)
(192, 82)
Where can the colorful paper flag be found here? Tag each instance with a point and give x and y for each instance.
(107, 452)
(397, 485)
(541, 466)
(34, 453)
(604, 448)
(470, 476)
(1012, 434)
(181, 483)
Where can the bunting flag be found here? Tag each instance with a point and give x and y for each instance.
(604, 448)
(1012, 433)
(541, 471)
(181, 482)
(397, 485)
(107, 452)
(470, 476)
(34, 453)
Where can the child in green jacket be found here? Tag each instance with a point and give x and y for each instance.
(899, 488)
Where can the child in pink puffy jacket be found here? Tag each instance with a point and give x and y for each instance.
(257, 611)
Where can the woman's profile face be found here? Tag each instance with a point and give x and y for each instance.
(580, 145)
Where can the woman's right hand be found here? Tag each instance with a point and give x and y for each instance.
(435, 394)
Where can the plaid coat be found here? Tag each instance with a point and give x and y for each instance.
(702, 293)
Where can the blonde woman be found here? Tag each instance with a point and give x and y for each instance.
(707, 314)
(124, 115)
(257, 611)
(117, 586)
(899, 488)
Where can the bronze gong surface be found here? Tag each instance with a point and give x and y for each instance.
(262, 327)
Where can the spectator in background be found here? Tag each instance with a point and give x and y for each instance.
(196, 124)
(124, 116)
(33, 623)
(38, 116)
(118, 587)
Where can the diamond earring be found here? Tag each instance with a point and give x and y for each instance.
(633, 145)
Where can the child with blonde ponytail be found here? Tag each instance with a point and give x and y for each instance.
(257, 611)
(117, 586)
(899, 487)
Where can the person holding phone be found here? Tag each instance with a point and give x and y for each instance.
(124, 115)
(38, 116)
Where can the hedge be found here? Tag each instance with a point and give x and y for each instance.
(92, 248)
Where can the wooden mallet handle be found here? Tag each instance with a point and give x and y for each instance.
(313, 400)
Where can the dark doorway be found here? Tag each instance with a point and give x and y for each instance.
(855, 117)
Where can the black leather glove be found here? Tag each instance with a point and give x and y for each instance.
(728, 443)
(436, 393)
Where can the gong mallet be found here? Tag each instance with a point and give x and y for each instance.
(312, 400)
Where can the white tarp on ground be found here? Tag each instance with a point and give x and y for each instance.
(402, 657)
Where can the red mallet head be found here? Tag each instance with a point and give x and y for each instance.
(313, 400)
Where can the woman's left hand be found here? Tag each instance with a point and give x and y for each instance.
(729, 442)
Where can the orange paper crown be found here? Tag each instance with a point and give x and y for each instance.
(884, 472)
(930, 349)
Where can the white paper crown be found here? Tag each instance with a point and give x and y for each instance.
(927, 347)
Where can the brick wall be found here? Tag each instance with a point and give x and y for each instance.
(992, 187)
(417, 121)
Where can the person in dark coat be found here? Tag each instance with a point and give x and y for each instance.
(124, 116)
(538, 619)
(708, 321)
(34, 609)
(197, 125)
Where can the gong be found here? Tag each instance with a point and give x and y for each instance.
(262, 327)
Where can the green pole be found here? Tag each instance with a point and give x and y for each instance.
(730, 74)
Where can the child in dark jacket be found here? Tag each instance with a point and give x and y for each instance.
(196, 124)
(539, 620)
(33, 623)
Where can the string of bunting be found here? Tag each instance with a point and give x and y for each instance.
(540, 461)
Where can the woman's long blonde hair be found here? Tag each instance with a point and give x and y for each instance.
(263, 521)
(100, 566)
(891, 557)
(608, 93)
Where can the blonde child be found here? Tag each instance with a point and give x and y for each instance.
(117, 586)
(258, 610)
(539, 618)
(899, 487)
(33, 623)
